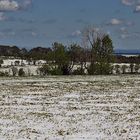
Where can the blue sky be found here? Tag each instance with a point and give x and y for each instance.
(32, 23)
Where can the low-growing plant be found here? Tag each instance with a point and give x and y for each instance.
(61, 132)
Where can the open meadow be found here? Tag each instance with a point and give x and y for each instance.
(70, 108)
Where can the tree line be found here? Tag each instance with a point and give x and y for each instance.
(95, 56)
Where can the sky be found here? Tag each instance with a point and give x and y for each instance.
(33, 23)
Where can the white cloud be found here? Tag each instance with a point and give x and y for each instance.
(132, 3)
(8, 5)
(128, 2)
(115, 21)
(23, 4)
(137, 9)
(14, 5)
(11, 6)
(134, 35)
(76, 33)
(33, 33)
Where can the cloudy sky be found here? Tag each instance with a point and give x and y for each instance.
(32, 23)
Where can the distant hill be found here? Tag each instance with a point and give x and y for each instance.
(9, 50)
(40, 51)
(17, 52)
(127, 52)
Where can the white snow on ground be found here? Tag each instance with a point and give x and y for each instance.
(19, 63)
(10, 62)
(33, 69)
(70, 108)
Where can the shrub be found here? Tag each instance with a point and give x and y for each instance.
(124, 67)
(49, 70)
(1, 62)
(131, 68)
(4, 73)
(78, 71)
(44, 70)
(56, 71)
(21, 72)
(92, 68)
(137, 67)
(99, 69)
(14, 71)
(117, 69)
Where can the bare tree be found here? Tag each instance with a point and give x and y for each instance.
(99, 50)
(89, 37)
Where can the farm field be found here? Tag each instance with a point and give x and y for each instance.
(70, 108)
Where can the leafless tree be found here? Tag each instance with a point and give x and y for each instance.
(98, 50)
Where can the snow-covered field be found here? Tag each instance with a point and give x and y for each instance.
(70, 108)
